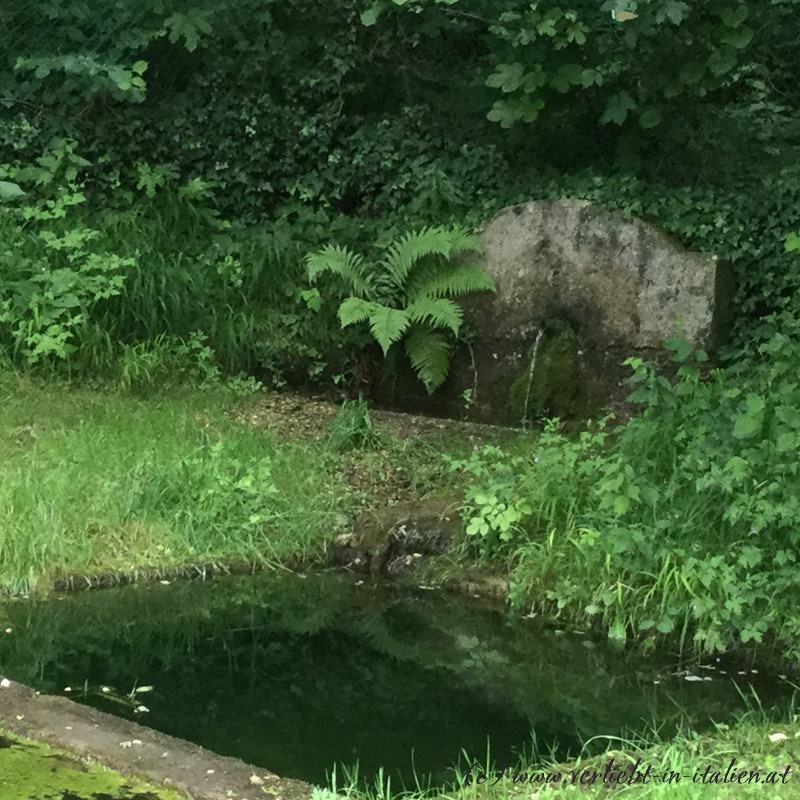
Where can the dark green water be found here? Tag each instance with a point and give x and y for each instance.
(300, 674)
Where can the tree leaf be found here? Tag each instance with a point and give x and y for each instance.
(370, 16)
(650, 117)
(507, 77)
(739, 37)
(734, 17)
(9, 191)
(617, 109)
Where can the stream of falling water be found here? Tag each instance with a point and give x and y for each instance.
(531, 369)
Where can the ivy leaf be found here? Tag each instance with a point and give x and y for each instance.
(650, 117)
(370, 15)
(739, 38)
(721, 62)
(734, 17)
(792, 242)
(617, 109)
(693, 72)
(675, 11)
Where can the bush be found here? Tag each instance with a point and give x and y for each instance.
(684, 520)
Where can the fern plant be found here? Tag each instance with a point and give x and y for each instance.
(408, 294)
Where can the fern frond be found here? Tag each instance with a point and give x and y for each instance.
(388, 325)
(437, 312)
(429, 352)
(403, 253)
(343, 262)
(354, 310)
(450, 280)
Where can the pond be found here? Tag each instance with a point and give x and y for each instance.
(299, 675)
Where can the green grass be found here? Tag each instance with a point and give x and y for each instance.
(95, 481)
(683, 767)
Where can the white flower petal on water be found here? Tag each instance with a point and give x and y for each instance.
(778, 737)
(5, 683)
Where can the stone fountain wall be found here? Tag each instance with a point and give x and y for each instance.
(579, 289)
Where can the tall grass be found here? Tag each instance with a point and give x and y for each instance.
(99, 481)
(759, 741)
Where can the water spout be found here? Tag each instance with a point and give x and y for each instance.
(531, 369)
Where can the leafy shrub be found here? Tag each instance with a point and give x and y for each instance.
(52, 274)
(684, 520)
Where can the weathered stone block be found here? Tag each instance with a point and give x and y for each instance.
(579, 289)
(623, 281)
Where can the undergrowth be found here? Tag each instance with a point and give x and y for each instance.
(684, 521)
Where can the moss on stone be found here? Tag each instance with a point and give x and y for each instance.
(31, 770)
(550, 385)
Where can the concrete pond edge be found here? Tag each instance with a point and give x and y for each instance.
(133, 750)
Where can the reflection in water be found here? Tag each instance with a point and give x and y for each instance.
(299, 674)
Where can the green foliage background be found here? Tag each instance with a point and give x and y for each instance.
(299, 117)
(166, 166)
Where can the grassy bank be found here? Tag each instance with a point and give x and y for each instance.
(93, 481)
(641, 530)
(97, 481)
(755, 758)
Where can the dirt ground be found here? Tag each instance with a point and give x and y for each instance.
(296, 416)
